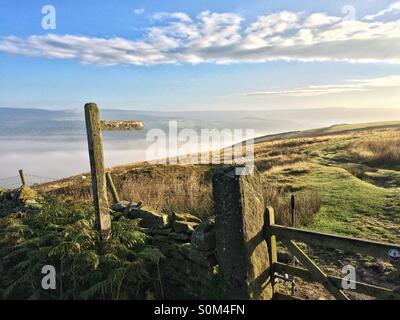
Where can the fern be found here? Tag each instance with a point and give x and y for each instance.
(62, 234)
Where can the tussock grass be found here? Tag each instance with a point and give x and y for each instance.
(377, 152)
(185, 194)
(307, 204)
(299, 167)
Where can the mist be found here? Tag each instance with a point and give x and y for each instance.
(53, 143)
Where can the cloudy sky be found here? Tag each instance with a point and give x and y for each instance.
(200, 55)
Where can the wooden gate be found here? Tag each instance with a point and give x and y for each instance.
(311, 272)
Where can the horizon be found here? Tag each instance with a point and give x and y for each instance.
(77, 109)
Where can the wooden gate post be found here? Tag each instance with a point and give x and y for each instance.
(242, 252)
(95, 144)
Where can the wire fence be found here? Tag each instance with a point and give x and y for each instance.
(30, 179)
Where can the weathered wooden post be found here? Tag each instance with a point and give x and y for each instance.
(242, 252)
(95, 144)
(111, 187)
(293, 209)
(22, 176)
(94, 127)
(269, 220)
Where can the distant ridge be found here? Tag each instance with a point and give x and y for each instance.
(334, 129)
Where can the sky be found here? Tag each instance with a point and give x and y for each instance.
(200, 55)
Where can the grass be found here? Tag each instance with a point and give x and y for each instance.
(346, 202)
(377, 152)
(184, 194)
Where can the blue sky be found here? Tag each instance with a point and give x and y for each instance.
(201, 55)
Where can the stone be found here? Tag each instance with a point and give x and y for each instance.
(184, 226)
(203, 237)
(120, 206)
(203, 258)
(185, 217)
(149, 218)
(26, 193)
(242, 252)
(183, 237)
(156, 232)
(9, 196)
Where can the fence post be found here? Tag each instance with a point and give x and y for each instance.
(22, 175)
(95, 144)
(269, 220)
(293, 209)
(111, 187)
(241, 251)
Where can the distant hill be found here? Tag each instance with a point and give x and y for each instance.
(30, 122)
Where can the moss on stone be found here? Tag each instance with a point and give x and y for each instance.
(26, 193)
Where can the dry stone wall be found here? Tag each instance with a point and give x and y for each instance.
(188, 244)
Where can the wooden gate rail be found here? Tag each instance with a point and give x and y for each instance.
(364, 288)
(313, 272)
(367, 247)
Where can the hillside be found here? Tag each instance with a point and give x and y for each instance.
(353, 167)
(346, 179)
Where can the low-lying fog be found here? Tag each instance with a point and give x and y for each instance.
(53, 143)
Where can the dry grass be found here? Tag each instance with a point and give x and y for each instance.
(307, 205)
(185, 194)
(385, 152)
(299, 167)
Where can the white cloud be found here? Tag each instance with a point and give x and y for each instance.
(350, 86)
(88, 50)
(319, 19)
(217, 29)
(226, 38)
(171, 15)
(138, 12)
(394, 7)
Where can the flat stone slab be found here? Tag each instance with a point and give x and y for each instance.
(186, 217)
(149, 218)
(120, 206)
(184, 226)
